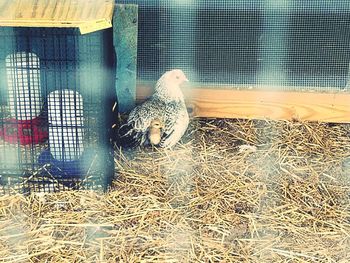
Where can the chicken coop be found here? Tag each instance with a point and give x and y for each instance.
(261, 173)
(56, 90)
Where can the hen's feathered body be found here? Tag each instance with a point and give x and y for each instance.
(167, 105)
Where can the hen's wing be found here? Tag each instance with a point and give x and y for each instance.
(134, 131)
(175, 125)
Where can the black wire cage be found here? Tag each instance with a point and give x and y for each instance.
(56, 95)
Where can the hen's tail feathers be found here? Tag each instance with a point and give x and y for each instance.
(127, 137)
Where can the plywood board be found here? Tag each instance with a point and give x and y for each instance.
(87, 15)
(263, 104)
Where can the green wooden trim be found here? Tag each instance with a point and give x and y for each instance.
(125, 21)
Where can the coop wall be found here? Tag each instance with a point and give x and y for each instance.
(294, 45)
(37, 69)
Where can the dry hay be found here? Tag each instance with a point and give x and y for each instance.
(234, 191)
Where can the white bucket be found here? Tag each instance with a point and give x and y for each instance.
(23, 80)
(66, 134)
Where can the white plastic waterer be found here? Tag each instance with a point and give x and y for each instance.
(23, 79)
(65, 112)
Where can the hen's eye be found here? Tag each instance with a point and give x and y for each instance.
(177, 77)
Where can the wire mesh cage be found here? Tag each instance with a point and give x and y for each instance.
(56, 92)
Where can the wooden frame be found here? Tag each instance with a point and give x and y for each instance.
(125, 29)
(218, 102)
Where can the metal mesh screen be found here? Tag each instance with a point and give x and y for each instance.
(289, 44)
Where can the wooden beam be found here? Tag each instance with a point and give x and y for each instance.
(87, 15)
(125, 24)
(263, 104)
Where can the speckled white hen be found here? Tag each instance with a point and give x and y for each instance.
(167, 104)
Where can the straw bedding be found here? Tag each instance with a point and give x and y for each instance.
(233, 191)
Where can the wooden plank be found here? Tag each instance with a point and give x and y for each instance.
(88, 15)
(125, 43)
(264, 104)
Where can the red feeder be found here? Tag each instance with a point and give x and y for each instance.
(25, 131)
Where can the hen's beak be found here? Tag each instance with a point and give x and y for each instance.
(186, 80)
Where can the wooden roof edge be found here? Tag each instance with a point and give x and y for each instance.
(88, 19)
